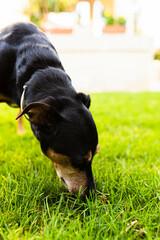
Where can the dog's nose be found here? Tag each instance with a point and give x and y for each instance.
(90, 187)
(89, 190)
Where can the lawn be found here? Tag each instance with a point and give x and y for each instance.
(34, 204)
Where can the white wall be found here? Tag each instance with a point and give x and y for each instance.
(12, 11)
(148, 16)
(150, 20)
(110, 63)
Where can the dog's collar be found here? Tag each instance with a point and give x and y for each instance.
(22, 102)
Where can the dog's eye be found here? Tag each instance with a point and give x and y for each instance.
(63, 180)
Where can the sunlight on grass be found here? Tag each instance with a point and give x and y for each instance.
(34, 204)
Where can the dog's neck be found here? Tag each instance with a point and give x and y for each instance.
(37, 89)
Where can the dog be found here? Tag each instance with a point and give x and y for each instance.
(33, 78)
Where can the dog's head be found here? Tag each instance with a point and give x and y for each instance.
(68, 136)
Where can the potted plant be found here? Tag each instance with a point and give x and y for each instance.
(114, 25)
(157, 55)
(39, 12)
(156, 65)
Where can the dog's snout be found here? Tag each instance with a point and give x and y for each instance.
(76, 180)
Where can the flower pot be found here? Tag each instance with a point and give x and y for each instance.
(59, 30)
(114, 29)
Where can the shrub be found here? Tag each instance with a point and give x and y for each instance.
(38, 8)
(157, 55)
(110, 20)
(121, 21)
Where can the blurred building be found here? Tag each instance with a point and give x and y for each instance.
(12, 11)
(97, 61)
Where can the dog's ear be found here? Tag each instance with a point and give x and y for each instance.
(40, 113)
(86, 100)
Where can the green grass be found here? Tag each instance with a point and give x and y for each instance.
(34, 204)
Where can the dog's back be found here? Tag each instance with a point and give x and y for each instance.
(15, 34)
(23, 50)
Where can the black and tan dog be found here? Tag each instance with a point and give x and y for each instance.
(31, 75)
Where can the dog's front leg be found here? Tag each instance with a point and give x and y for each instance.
(20, 127)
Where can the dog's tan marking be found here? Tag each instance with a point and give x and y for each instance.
(97, 149)
(4, 98)
(58, 158)
(89, 156)
(73, 177)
